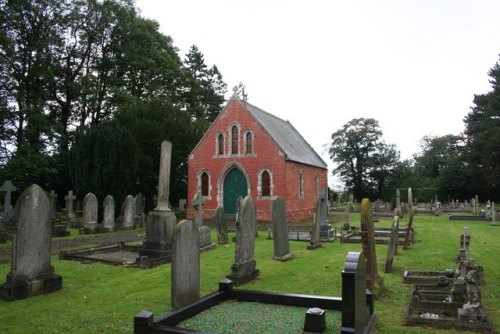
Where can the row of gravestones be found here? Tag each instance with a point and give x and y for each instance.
(132, 212)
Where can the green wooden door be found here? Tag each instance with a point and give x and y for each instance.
(235, 184)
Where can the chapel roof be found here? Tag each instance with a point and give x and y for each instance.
(288, 139)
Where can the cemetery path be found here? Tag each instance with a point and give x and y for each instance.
(85, 241)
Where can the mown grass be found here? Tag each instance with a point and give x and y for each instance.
(99, 298)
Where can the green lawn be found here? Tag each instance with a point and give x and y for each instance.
(99, 298)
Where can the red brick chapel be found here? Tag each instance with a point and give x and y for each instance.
(247, 151)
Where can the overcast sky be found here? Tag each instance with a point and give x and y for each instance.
(412, 65)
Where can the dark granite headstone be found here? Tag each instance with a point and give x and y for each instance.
(31, 270)
(244, 266)
(185, 286)
(280, 230)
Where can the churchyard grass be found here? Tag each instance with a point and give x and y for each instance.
(98, 298)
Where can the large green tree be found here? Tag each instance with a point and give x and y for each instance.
(482, 131)
(363, 161)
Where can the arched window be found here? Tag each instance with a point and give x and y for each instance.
(205, 184)
(234, 140)
(301, 184)
(265, 184)
(220, 144)
(249, 143)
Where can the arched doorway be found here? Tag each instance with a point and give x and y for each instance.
(235, 185)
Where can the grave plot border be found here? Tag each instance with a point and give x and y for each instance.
(348, 304)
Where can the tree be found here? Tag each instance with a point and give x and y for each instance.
(482, 132)
(103, 160)
(361, 155)
(207, 87)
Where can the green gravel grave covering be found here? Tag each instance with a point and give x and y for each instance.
(234, 317)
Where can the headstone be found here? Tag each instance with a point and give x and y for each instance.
(346, 226)
(31, 270)
(53, 205)
(182, 204)
(493, 214)
(280, 230)
(197, 202)
(139, 209)
(129, 212)
(398, 203)
(409, 227)
(357, 304)
(8, 211)
(315, 233)
(322, 215)
(368, 243)
(465, 242)
(221, 225)
(69, 206)
(393, 242)
(161, 221)
(476, 206)
(109, 213)
(185, 277)
(90, 212)
(244, 267)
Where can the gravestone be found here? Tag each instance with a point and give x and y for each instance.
(221, 225)
(139, 210)
(325, 229)
(182, 204)
(58, 229)
(393, 242)
(357, 305)
(315, 232)
(476, 206)
(69, 207)
(53, 204)
(31, 270)
(409, 227)
(109, 213)
(8, 211)
(244, 267)
(161, 221)
(368, 243)
(346, 226)
(197, 202)
(398, 203)
(128, 212)
(185, 277)
(465, 243)
(280, 230)
(90, 212)
(493, 214)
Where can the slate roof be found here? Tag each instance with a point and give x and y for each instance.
(288, 139)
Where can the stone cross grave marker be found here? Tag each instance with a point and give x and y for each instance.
(368, 243)
(109, 213)
(7, 188)
(31, 270)
(280, 230)
(129, 212)
(221, 225)
(90, 208)
(197, 202)
(69, 204)
(185, 277)
(244, 266)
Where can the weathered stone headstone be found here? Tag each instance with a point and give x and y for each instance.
(185, 277)
(197, 202)
(393, 242)
(368, 243)
(346, 226)
(182, 204)
(53, 204)
(322, 215)
(465, 242)
(161, 221)
(128, 212)
(409, 227)
(280, 230)
(8, 211)
(398, 203)
(139, 209)
(109, 213)
(315, 232)
(90, 212)
(493, 214)
(31, 270)
(476, 206)
(244, 267)
(221, 225)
